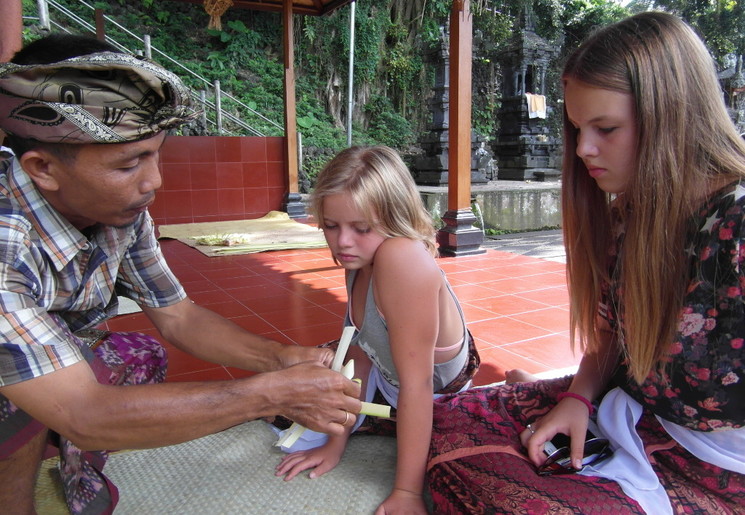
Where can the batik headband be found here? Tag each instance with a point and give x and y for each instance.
(105, 97)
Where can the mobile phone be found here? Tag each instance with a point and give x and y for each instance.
(560, 461)
(561, 440)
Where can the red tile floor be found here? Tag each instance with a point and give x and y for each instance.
(515, 306)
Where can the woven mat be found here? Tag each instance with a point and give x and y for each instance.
(49, 496)
(232, 472)
(273, 231)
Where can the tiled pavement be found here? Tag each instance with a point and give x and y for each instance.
(514, 297)
(540, 244)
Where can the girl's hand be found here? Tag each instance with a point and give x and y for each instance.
(402, 502)
(321, 460)
(568, 417)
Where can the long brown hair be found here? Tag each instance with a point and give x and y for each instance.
(686, 144)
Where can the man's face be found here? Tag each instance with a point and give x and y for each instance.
(109, 184)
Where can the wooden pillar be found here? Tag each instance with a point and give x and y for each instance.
(459, 236)
(293, 203)
(11, 28)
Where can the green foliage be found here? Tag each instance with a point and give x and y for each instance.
(387, 127)
(484, 115)
(371, 26)
(500, 232)
(393, 76)
(580, 17)
(29, 7)
(316, 159)
(402, 67)
(721, 23)
(306, 122)
(434, 18)
(29, 33)
(162, 16)
(492, 25)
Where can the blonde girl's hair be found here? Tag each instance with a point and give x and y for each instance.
(686, 142)
(381, 187)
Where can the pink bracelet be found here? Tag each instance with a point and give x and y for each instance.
(564, 395)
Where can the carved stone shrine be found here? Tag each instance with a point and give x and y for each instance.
(431, 168)
(524, 148)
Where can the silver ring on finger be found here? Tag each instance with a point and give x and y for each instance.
(530, 428)
(346, 418)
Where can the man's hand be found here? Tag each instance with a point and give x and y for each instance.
(293, 354)
(314, 396)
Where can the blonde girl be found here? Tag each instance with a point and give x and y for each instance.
(411, 338)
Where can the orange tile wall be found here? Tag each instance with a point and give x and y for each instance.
(214, 178)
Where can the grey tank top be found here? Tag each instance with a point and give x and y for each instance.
(372, 338)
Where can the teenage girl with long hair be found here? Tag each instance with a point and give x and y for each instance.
(653, 200)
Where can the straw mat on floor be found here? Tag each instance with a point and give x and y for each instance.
(232, 472)
(49, 496)
(273, 231)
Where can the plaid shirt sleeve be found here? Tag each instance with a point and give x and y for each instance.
(33, 341)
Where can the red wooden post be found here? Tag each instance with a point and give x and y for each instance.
(459, 236)
(294, 206)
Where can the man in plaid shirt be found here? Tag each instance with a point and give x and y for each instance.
(86, 123)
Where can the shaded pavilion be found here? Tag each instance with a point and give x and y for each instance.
(458, 237)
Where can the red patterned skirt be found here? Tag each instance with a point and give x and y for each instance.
(116, 359)
(478, 465)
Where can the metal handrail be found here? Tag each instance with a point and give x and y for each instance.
(215, 107)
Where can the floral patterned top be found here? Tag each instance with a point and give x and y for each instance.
(702, 385)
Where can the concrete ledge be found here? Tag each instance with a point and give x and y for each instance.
(506, 205)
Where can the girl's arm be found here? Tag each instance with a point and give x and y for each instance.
(596, 369)
(406, 285)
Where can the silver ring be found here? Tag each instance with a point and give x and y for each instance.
(530, 428)
(346, 418)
